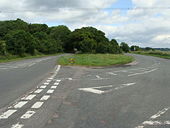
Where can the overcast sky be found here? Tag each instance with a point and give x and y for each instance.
(141, 22)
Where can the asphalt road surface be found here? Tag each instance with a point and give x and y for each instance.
(37, 94)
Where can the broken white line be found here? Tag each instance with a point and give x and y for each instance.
(17, 125)
(7, 114)
(50, 91)
(30, 97)
(38, 90)
(46, 97)
(28, 114)
(20, 104)
(37, 105)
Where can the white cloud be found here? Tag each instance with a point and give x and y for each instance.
(146, 26)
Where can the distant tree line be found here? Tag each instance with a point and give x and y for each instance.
(20, 38)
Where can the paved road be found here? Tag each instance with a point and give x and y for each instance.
(130, 96)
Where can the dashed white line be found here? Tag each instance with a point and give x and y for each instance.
(27, 115)
(92, 90)
(38, 90)
(17, 125)
(30, 97)
(20, 104)
(58, 80)
(7, 114)
(152, 123)
(53, 87)
(56, 83)
(50, 91)
(37, 105)
(143, 72)
(45, 97)
(160, 113)
(43, 87)
(50, 78)
(46, 83)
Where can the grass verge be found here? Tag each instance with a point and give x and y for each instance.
(95, 59)
(161, 54)
(4, 59)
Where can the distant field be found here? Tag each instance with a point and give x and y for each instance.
(95, 59)
(160, 54)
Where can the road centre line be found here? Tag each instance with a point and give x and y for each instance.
(7, 114)
(53, 87)
(56, 83)
(45, 97)
(28, 114)
(58, 80)
(155, 116)
(46, 83)
(37, 105)
(20, 104)
(97, 91)
(160, 113)
(92, 90)
(30, 97)
(38, 91)
(143, 72)
(43, 86)
(50, 91)
(17, 125)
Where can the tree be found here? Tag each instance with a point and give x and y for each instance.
(12, 25)
(124, 47)
(33, 28)
(47, 45)
(113, 47)
(60, 33)
(20, 42)
(2, 47)
(84, 37)
(134, 48)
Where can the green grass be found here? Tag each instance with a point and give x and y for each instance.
(95, 59)
(161, 54)
(10, 58)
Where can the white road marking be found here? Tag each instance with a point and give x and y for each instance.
(7, 114)
(30, 97)
(46, 83)
(151, 122)
(111, 73)
(58, 80)
(98, 77)
(70, 78)
(108, 86)
(143, 72)
(50, 78)
(96, 91)
(92, 90)
(27, 115)
(20, 104)
(53, 87)
(160, 113)
(50, 91)
(56, 83)
(43, 87)
(124, 85)
(38, 90)
(17, 125)
(37, 105)
(45, 97)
